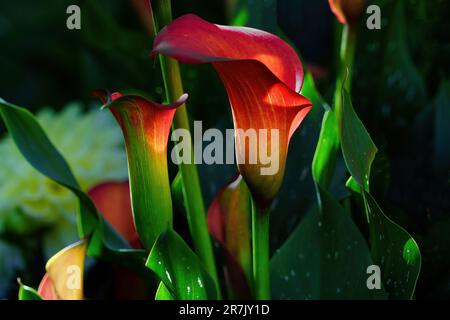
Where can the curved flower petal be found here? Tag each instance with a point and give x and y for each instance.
(146, 126)
(46, 289)
(347, 11)
(262, 76)
(229, 224)
(112, 199)
(64, 277)
(191, 39)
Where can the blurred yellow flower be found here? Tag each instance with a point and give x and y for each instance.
(92, 144)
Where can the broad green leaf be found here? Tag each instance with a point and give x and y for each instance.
(106, 243)
(177, 191)
(163, 293)
(37, 148)
(310, 91)
(180, 269)
(358, 148)
(27, 293)
(394, 251)
(327, 150)
(380, 175)
(39, 151)
(353, 185)
(325, 258)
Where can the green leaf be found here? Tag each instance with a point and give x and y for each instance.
(39, 151)
(353, 185)
(324, 162)
(177, 191)
(357, 147)
(180, 269)
(394, 250)
(310, 91)
(325, 258)
(108, 244)
(163, 293)
(27, 293)
(37, 148)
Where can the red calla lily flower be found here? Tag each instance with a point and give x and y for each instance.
(262, 76)
(347, 11)
(112, 199)
(229, 224)
(145, 126)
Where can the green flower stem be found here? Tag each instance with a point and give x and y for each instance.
(260, 247)
(344, 78)
(192, 192)
(346, 57)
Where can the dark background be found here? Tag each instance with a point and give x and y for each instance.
(401, 92)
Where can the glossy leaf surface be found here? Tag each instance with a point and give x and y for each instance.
(180, 269)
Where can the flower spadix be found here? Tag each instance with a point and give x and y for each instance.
(262, 76)
(146, 126)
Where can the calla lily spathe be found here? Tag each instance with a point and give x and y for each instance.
(64, 277)
(112, 200)
(263, 77)
(229, 224)
(146, 126)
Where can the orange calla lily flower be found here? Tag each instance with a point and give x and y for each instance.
(263, 77)
(146, 126)
(112, 199)
(64, 277)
